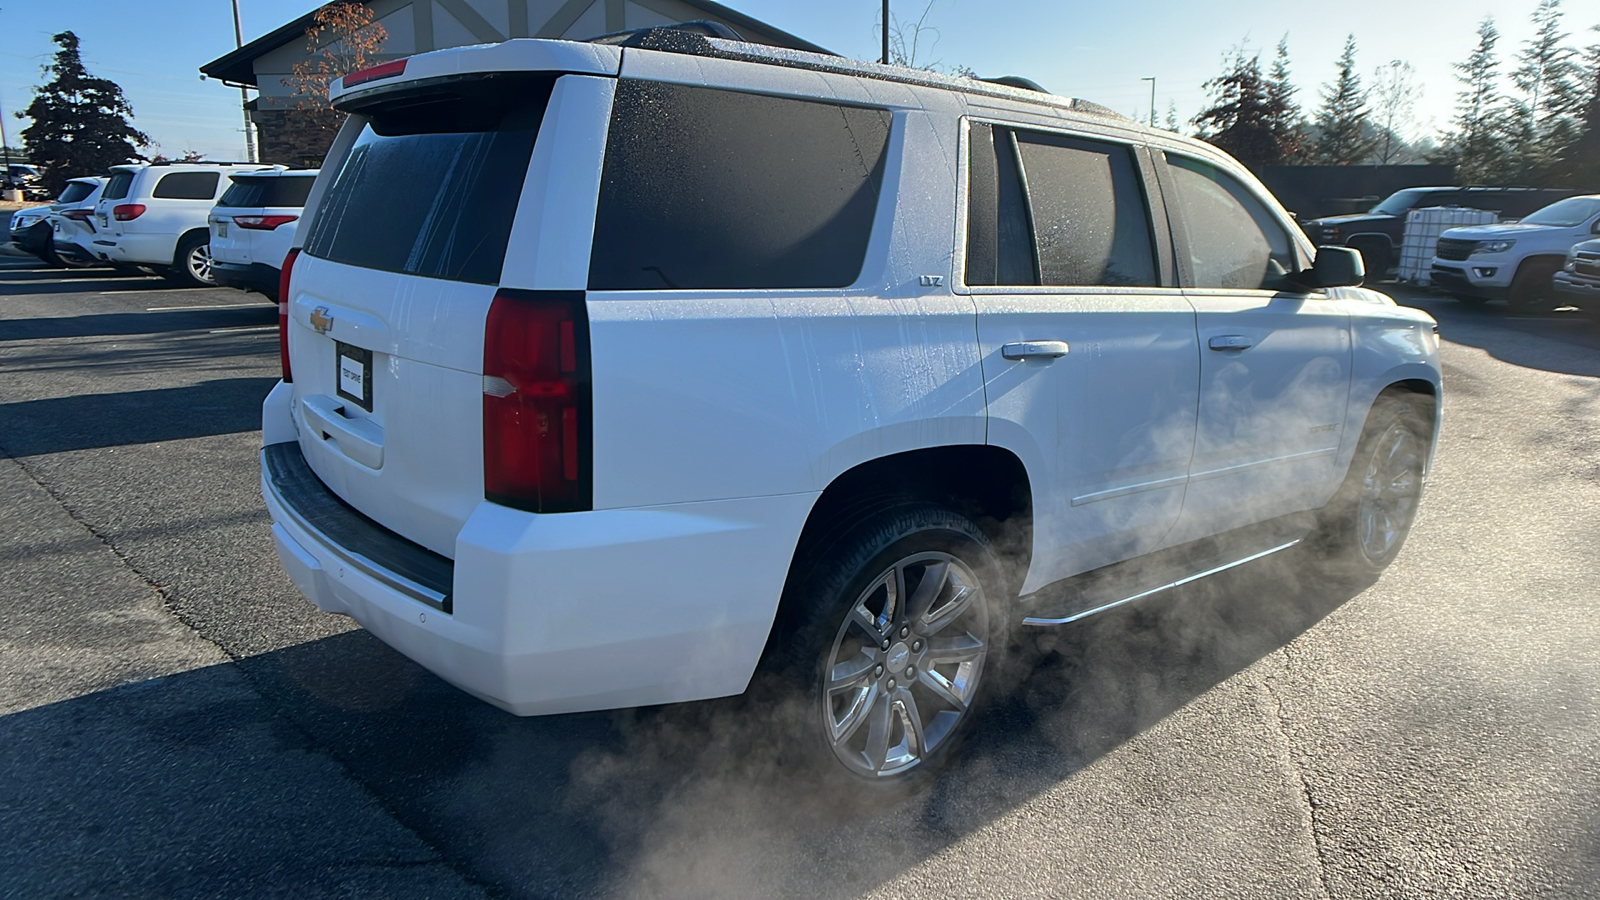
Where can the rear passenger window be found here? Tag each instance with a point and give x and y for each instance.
(187, 186)
(708, 189)
(1233, 241)
(1090, 223)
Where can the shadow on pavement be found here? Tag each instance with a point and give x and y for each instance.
(1506, 337)
(82, 421)
(113, 324)
(700, 799)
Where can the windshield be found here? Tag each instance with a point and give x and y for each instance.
(74, 192)
(1399, 202)
(1566, 213)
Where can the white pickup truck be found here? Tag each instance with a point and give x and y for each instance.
(621, 373)
(1515, 261)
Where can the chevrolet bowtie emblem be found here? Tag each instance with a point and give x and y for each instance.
(321, 321)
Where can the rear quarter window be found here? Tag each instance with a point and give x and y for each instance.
(117, 187)
(187, 186)
(706, 188)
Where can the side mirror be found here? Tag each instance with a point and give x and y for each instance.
(1595, 228)
(1336, 267)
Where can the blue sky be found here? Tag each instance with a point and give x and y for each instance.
(1098, 52)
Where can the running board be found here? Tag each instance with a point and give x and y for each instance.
(1093, 592)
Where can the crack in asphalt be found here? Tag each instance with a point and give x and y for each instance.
(1280, 724)
(169, 605)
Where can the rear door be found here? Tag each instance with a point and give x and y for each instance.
(1090, 363)
(1274, 358)
(400, 263)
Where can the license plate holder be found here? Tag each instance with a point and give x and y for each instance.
(352, 374)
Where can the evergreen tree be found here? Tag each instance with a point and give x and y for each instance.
(1542, 122)
(79, 123)
(1582, 165)
(1289, 125)
(1476, 146)
(1344, 135)
(1243, 115)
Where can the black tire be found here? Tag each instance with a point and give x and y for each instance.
(191, 264)
(64, 262)
(1531, 291)
(864, 665)
(1375, 258)
(1361, 531)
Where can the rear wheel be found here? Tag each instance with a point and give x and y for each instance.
(64, 262)
(901, 626)
(192, 263)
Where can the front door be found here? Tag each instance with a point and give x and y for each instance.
(1275, 359)
(1090, 362)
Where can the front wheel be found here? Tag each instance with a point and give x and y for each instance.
(192, 263)
(1531, 291)
(902, 624)
(1363, 528)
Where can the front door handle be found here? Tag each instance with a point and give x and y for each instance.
(1230, 342)
(1034, 350)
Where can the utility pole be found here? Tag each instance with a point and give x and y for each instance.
(1152, 81)
(885, 58)
(244, 96)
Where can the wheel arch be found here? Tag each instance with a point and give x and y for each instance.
(183, 236)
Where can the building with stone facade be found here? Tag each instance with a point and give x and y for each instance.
(287, 135)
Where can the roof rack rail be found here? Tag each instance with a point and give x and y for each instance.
(201, 162)
(703, 38)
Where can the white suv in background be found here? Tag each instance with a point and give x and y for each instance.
(253, 225)
(154, 214)
(615, 373)
(1515, 261)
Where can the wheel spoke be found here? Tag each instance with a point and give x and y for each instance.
(934, 576)
(942, 689)
(861, 708)
(911, 718)
(952, 650)
(853, 672)
(878, 723)
(959, 603)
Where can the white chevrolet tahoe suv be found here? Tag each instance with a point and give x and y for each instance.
(154, 214)
(1515, 261)
(680, 360)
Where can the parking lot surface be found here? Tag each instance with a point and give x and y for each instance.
(177, 722)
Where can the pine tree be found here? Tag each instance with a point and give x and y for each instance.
(1542, 121)
(79, 123)
(1476, 146)
(1582, 165)
(1243, 115)
(1343, 131)
(1289, 125)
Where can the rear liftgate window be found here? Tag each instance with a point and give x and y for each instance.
(431, 184)
(707, 189)
(272, 191)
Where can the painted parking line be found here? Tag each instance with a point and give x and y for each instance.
(152, 291)
(119, 279)
(262, 305)
(243, 330)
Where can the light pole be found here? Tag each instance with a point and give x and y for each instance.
(1152, 80)
(885, 59)
(244, 96)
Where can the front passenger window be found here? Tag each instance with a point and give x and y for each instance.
(1233, 241)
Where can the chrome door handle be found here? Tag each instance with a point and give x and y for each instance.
(1230, 342)
(1034, 350)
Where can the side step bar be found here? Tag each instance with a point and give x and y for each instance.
(1094, 592)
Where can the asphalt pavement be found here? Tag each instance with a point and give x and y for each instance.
(175, 721)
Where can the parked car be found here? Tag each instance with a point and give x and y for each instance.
(72, 224)
(1514, 262)
(1578, 281)
(615, 374)
(25, 178)
(1377, 232)
(154, 214)
(253, 225)
(31, 229)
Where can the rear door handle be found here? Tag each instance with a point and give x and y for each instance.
(1230, 342)
(1034, 350)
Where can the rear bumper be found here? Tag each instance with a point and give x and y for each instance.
(554, 613)
(136, 249)
(258, 277)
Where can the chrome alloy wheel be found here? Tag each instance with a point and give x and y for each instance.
(198, 262)
(1390, 491)
(904, 667)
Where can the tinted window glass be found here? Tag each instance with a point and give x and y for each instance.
(117, 187)
(75, 191)
(275, 191)
(1090, 224)
(999, 239)
(431, 185)
(1233, 241)
(709, 189)
(187, 186)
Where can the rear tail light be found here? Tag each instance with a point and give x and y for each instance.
(127, 212)
(537, 406)
(283, 313)
(78, 215)
(373, 73)
(262, 223)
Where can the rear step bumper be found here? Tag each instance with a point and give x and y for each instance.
(556, 613)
